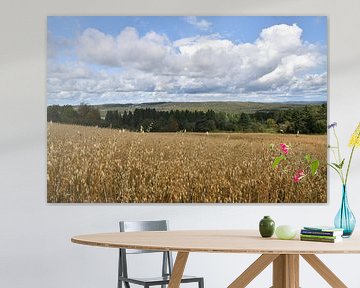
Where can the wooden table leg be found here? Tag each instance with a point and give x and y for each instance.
(324, 271)
(286, 271)
(253, 270)
(178, 270)
(293, 264)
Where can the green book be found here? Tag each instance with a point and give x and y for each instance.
(325, 240)
(319, 236)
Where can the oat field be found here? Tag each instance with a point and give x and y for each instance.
(98, 165)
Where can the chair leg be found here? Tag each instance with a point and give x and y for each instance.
(120, 273)
(201, 283)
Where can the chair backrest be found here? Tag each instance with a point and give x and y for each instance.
(134, 226)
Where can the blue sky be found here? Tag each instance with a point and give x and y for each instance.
(117, 59)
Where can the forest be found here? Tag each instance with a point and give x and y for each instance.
(308, 119)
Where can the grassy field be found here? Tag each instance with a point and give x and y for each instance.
(95, 165)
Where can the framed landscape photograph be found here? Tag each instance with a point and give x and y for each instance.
(185, 109)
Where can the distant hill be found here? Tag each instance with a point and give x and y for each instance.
(227, 107)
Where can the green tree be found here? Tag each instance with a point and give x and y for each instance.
(53, 113)
(244, 122)
(271, 124)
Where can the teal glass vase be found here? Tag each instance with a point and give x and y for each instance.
(345, 219)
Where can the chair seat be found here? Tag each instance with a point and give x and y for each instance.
(158, 280)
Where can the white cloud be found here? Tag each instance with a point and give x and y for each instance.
(127, 49)
(69, 70)
(200, 24)
(312, 84)
(279, 39)
(152, 67)
(58, 45)
(286, 70)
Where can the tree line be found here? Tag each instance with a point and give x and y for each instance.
(310, 119)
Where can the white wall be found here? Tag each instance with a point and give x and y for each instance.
(35, 248)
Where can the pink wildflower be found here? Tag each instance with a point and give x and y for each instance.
(284, 148)
(299, 174)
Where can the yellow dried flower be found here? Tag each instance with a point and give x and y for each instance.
(355, 138)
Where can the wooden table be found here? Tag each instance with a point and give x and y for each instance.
(284, 254)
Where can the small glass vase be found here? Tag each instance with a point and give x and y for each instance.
(345, 219)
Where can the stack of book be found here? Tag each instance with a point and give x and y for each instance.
(321, 234)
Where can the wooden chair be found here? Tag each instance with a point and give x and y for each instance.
(167, 262)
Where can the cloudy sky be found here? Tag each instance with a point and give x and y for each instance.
(153, 59)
